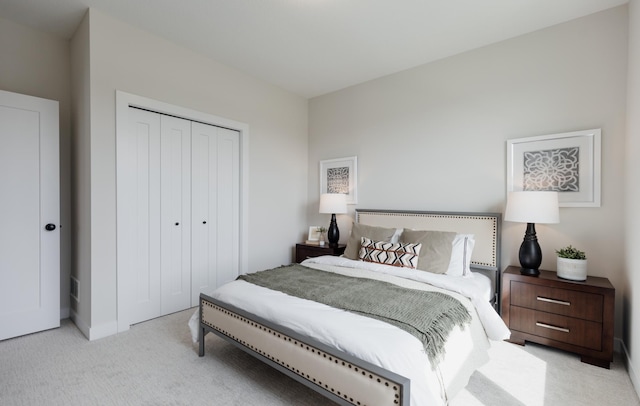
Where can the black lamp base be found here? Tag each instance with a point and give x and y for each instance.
(333, 234)
(529, 272)
(530, 252)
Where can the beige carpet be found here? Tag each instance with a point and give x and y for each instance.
(155, 363)
(535, 375)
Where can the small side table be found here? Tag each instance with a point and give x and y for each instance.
(304, 251)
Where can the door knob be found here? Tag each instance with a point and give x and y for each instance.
(50, 227)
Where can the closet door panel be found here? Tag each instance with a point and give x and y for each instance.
(215, 202)
(175, 214)
(204, 208)
(139, 214)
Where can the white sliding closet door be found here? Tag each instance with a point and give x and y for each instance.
(175, 229)
(215, 205)
(138, 202)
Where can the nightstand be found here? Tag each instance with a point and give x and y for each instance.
(568, 315)
(304, 251)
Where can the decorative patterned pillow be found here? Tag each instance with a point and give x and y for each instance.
(388, 253)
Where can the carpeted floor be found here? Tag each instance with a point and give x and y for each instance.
(155, 363)
(538, 375)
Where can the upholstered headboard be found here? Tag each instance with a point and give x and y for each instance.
(484, 226)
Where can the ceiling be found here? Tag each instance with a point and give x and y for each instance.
(313, 47)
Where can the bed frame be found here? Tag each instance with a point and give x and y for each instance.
(336, 375)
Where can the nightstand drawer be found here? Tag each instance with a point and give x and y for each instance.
(583, 333)
(583, 305)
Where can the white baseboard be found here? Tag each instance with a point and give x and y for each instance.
(629, 365)
(103, 330)
(95, 332)
(84, 329)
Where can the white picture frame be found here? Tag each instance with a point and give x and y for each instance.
(314, 233)
(568, 163)
(340, 175)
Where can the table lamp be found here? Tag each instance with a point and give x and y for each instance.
(532, 207)
(333, 203)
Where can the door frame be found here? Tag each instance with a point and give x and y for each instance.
(126, 100)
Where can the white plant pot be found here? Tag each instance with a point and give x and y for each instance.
(572, 269)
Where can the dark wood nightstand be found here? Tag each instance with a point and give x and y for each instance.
(572, 316)
(304, 251)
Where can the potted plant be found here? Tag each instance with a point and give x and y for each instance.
(322, 231)
(572, 264)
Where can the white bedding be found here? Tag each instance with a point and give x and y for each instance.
(375, 341)
(476, 287)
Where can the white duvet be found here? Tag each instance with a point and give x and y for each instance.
(375, 341)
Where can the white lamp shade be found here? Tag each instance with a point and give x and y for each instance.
(532, 207)
(333, 203)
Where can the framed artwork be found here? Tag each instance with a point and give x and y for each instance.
(568, 163)
(340, 176)
(314, 233)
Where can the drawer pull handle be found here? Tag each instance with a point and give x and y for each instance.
(554, 301)
(549, 326)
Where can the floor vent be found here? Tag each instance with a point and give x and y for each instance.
(74, 289)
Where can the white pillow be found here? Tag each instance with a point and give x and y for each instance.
(460, 263)
(396, 236)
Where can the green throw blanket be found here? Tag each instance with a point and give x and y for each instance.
(429, 316)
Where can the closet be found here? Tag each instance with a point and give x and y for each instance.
(177, 210)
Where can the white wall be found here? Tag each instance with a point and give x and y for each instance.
(631, 277)
(122, 57)
(81, 174)
(434, 137)
(37, 64)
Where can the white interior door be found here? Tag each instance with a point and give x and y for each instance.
(175, 229)
(215, 207)
(138, 218)
(30, 204)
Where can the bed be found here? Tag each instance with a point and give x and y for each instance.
(353, 359)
